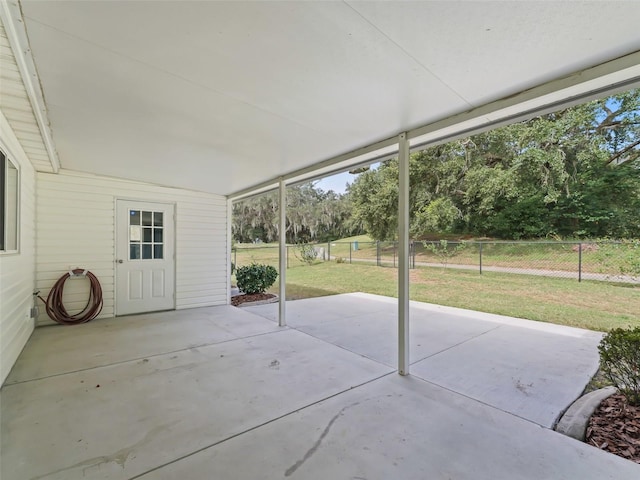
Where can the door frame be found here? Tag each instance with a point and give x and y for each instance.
(115, 249)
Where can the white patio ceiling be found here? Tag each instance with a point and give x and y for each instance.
(222, 96)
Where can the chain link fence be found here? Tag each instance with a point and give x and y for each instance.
(605, 261)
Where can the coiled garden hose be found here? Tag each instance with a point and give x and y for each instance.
(55, 308)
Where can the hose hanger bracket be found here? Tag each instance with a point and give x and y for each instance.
(77, 272)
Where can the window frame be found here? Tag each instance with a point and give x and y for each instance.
(5, 161)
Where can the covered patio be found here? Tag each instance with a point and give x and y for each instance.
(223, 392)
(170, 111)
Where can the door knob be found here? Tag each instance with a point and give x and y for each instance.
(120, 261)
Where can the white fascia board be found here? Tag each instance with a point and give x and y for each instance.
(253, 192)
(365, 160)
(14, 25)
(596, 82)
(362, 156)
(606, 79)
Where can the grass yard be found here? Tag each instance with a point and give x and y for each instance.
(593, 305)
(603, 258)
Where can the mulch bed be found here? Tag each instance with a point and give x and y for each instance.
(615, 428)
(255, 297)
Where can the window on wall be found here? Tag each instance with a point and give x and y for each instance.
(8, 204)
(146, 235)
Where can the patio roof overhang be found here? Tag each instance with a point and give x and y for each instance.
(230, 97)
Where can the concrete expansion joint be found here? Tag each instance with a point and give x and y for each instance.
(340, 346)
(268, 422)
(480, 402)
(457, 344)
(137, 359)
(294, 388)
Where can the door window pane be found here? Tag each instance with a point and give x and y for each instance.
(146, 235)
(135, 234)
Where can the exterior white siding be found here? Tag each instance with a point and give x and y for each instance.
(16, 107)
(76, 228)
(17, 270)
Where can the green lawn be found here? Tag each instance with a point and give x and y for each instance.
(610, 259)
(593, 305)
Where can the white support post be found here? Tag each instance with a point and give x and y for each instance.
(229, 248)
(282, 321)
(403, 255)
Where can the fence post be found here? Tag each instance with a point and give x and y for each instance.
(480, 258)
(378, 253)
(414, 255)
(235, 258)
(394, 254)
(580, 262)
(350, 245)
(329, 251)
(411, 255)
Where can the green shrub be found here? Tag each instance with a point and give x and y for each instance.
(620, 361)
(255, 278)
(445, 250)
(306, 253)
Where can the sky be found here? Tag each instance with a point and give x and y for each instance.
(337, 182)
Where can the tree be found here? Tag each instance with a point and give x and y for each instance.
(312, 215)
(374, 197)
(256, 218)
(575, 172)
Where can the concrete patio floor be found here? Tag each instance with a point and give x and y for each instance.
(224, 393)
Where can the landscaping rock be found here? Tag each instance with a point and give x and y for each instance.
(575, 420)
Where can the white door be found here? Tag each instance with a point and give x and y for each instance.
(145, 265)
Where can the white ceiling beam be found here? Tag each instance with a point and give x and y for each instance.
(363, 155)
(589, 84)
(13, 22)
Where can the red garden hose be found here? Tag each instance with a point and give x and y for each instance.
(55, 308)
